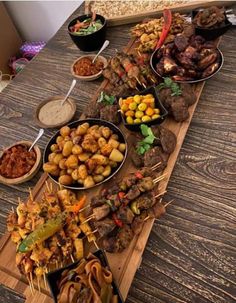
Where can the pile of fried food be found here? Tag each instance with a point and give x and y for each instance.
(88, 282)
(210, 17)
(112, 9)
(84, 155)
(149, 32)
(48, 233)
(119, 212)
(188, 59)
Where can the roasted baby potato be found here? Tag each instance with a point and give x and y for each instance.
(65, 131)
(107, 171)
(62, 163)
(82, 129)
(77, 149)
(50, 167)
(82, 170)
(89, 182)
(101, 142)
(67, 148)
(98, 178)
(51, 157)
(84, 156)
(106, 132)
(65, 180)
(113, 143)
(116, 155)
(54, 147)
(101, 160)
(57, 158)
(122, 147)
(106, 149)
(99, 170)
(72, 161)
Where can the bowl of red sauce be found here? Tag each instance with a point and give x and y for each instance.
(17, 164)
(84, 69)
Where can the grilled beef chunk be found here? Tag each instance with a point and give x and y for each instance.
(104, 226)
(136, 158)
(179, 109)
(133, 193)
(167, 139)
(110, 114)
(101, 212)
(110, 244)
(188, 93)
(146, 200)
(125, 214)
(97, 201)
(138, 222)
(145, 184)
(181, 42)
(156, 211)
(113, 189)
(155, 155)
(125, 235)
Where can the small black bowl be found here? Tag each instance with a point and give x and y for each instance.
(54, 276)
(163, 112)
(92, 121)
(154, 60)
(90, 42)
(211, 33)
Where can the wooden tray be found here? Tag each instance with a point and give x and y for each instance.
(185, 7)
(123, 265)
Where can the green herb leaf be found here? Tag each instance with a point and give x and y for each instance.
(144, 130)
(148, 139)
(106, 99)
(168, 82)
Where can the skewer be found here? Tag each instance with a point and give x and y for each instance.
(72, 259)
(137, 79)
(92, 232)
(31, 195)
(51, 187)
(57, 264)
(169, 202)
(144, 85)
(38, 281)
(95, 243)
(32, 283)
(160, 194)
(47, 186)
(88, 219)
(44, 279)
(159, 178)
(12, 208)
(31, 290)
(155, 166)
(82, 209)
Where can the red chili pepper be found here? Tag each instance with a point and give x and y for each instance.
(166, 27)
(138, 175)
(128, 67)
(117, 221)
(121, 195)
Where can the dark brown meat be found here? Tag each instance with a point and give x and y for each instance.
(146, 200)
(156, 211)
(137, 224)
(155, 155)
(170, 66)
(181, 42)
(179, 109)
(125, 235)
(110, 114)
(97, 201)
(133, 192)
(145, 184)
(167, 139)
(101, 212)
(104, 226)
(125, 214)
(188, 93)
(110, 244)
(136, 158)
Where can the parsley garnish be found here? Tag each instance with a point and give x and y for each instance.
(146, 143)
(106, 99)
(168, 83)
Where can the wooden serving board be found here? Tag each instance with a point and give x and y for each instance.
(139, 16)
(123, 265)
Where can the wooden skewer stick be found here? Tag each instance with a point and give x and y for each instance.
(44, 279)
(159, 178)
(31, 195)
(144, 85)
(88, 219)
(51, 187)
(82, 209)
(161, 194)
(57, 264)
(72, 259)
(28, 279)
(92, 232)
(95, 243)
(32, 282)
(38, 281)
(137, 79)
(155, 166)
(168, 203)
(12, 208)
(47, 186)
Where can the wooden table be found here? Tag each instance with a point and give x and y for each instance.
(191, 252)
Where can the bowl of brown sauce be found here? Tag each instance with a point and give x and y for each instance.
(18, 164)
(84, 69)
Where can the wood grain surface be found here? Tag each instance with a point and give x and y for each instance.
(191, 252)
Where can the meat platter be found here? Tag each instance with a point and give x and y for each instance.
(123, 259)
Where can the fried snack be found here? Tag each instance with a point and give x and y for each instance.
(89, 281)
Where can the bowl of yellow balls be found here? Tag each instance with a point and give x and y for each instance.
(142, 108)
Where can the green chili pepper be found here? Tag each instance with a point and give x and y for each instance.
(42, 233)
(134, 208)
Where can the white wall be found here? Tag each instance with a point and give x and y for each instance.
(40, 20)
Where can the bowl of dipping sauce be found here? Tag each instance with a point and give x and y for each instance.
(84, 69)
(50, 113)
(18, 164)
